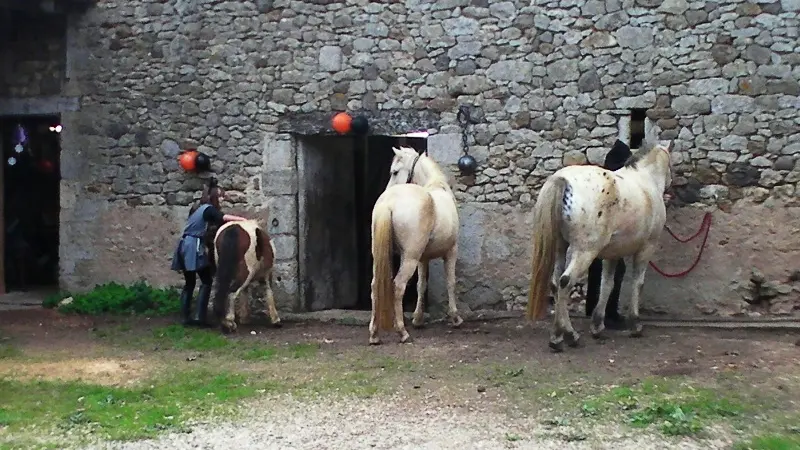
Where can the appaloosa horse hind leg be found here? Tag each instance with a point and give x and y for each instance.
(606, 284)
(562, 329)
(450, 270)
(422, 285)
(640, 261)
(557, 330)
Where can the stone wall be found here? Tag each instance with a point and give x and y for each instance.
(33, 59)
(550, 84)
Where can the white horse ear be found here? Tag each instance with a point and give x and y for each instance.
(397, 151)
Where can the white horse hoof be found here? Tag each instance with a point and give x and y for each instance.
(456, 321)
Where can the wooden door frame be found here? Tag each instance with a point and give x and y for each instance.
(2, 219)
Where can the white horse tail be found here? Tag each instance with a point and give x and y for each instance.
(382, 246)
(546, 221)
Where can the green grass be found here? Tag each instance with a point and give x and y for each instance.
(119, 413)
(7, 350)
(677, 409)
(177, 337)
(673, 406)
(770, 442)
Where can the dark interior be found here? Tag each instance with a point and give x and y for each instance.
(31, 207)
(637, 127)
(344, 176)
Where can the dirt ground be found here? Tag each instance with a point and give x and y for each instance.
(437, 420)
(662, 351)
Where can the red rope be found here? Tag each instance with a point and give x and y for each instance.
(706, 225)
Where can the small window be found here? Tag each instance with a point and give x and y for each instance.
(637, 127)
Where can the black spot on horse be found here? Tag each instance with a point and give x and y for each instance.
(600, 214)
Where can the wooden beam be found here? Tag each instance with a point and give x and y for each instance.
(2, 216)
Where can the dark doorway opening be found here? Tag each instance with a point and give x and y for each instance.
(341, 178)
(638, 117)
(31, 177)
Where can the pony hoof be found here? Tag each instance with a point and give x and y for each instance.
(277, 324)
(636, 328)
(420, 324)
(556, 347)
(374, 340)
(228, 327)
(406, 339)
(456, 321)
(599, 335)
(573, 339)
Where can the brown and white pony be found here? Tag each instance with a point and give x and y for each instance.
(585, 212)
(417, 216)
(244, 252)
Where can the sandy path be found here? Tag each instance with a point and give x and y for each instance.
(388, 423)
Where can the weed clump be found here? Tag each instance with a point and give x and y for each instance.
(115, 298)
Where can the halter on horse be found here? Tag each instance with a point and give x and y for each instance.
(417, 214)
(245, 253)
(585, 212)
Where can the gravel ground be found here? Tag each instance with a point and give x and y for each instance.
(391, 423)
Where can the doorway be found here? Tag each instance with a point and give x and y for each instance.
(31, 152)
(341, 178)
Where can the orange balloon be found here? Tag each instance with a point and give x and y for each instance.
(341, 122)
(187, 160)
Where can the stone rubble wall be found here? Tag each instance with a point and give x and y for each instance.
(550, 83)
(32, 64)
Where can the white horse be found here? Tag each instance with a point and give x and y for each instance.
(584, 212)
(417, 215)
(244, 253)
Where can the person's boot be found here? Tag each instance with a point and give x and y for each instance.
(186, 306)
(203, 295)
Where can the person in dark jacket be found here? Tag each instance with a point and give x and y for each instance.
(615, 159)
(191, 256)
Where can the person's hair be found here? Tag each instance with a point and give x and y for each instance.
(210, 195)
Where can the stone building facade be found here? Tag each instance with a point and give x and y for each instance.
(551, 83)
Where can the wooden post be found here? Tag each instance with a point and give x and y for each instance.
(2, 214)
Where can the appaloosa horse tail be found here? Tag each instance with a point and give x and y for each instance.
(227, 264)
(546, 237)
(382, 247)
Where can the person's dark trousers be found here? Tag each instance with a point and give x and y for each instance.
(613, 320)
(203, 296)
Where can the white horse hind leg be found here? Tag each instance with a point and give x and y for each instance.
(450, 270)
(422, 285)
(407, 268)
(599, 313)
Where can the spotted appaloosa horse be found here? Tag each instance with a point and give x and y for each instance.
(585, 212)
(417, 215)
(244, 252)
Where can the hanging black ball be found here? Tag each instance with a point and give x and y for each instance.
(202, 163)
(467, 165)
(360, 125)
